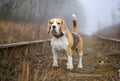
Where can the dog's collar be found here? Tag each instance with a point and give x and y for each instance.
(58, 36)
(61, 34)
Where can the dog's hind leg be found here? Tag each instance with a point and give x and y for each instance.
(80, 53)
(69, 63)
(80, 60)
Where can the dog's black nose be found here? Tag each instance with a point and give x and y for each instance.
(54, 27)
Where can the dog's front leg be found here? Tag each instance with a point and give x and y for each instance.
(69, 63)
(55, 61)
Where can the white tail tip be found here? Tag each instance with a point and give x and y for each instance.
(74, 17)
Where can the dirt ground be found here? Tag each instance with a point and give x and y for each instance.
(101, 62)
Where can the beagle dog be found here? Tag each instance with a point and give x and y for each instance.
(63, 39)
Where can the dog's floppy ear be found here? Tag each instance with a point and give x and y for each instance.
(48, 29)
(63, 27)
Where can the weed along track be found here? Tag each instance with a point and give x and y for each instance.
(33, 62)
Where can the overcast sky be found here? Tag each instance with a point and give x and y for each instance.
(98, 11)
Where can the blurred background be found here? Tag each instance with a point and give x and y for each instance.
(26, 21)
(22, 20)
(101, 14)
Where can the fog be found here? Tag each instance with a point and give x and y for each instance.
(99, 14)
(41, 11)
(92, 15)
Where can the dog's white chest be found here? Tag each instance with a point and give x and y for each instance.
(59, 43)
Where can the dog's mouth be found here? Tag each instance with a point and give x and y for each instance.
(54, 32)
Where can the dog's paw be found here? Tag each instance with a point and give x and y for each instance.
(69, 66)
(80, 66)
(55, 65)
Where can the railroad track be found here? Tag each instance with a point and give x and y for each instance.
(2, 46)
(108, 38)
(28, 58)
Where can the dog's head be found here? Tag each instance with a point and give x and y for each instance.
(56, 26)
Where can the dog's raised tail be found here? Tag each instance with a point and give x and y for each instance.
(74, 23)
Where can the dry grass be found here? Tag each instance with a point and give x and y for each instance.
(34, 63)
(101, 61)
(18, 32)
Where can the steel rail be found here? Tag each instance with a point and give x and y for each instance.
(2, 46)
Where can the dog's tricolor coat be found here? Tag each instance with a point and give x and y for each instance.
(63, 39)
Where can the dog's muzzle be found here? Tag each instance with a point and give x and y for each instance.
(53, 26)
(54, 32)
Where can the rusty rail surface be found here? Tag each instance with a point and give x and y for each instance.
(108, 38)
(2, 46)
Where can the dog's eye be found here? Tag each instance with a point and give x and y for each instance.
(51, 22)
(58, 23)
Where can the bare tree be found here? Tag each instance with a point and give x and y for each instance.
(7, 7)
(116, 15)
(41, 11)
